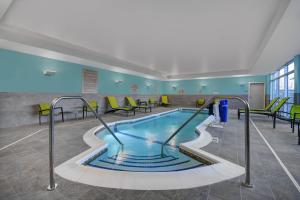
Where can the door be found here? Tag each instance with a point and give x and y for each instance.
(256, 95)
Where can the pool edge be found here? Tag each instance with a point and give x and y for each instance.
(220, 170)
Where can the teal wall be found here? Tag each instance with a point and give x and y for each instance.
(107, 84)
(230, 85)
(22, 72)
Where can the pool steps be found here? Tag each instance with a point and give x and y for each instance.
(151, 163)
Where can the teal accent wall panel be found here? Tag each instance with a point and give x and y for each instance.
(230, 85)
(129, 84)
(24, 73)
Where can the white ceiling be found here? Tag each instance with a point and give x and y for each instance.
(167, 39)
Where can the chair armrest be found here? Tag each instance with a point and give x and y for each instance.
(295, 115)
(40, 111)
(61, 109)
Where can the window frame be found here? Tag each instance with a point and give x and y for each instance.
(275, 91)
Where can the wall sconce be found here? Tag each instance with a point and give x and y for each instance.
(174, 87)
(48, 72)
(148, 85)
(203, 86)
(117, 82)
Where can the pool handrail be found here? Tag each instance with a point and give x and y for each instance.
(247, 182)
(52, 184)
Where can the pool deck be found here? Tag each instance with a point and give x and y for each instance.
(24, 165)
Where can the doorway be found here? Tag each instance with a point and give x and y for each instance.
(256, 95)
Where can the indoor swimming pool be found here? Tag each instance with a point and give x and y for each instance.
(143, 140)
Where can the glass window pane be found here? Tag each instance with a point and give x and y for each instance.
(281, 72)
(291, 82)
(281, 83)
(291, 66)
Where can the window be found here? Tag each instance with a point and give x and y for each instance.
(282, 84)
(89, 83)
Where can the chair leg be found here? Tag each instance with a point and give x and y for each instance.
(239, 114)
(62, 116)
(274, 121)
(40, 119)
(298, 134)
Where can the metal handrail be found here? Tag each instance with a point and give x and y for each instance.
(53, 185)
(247, 132)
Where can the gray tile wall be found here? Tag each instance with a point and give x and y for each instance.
(190, 100)
(18, 109)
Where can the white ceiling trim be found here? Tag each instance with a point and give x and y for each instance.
(28, 42)
(9, 45)
(209, 74)
(39, 41)
(269, 32)
(4, 7)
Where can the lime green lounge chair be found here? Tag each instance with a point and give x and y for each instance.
(44, 110)
(112, 101)
(267, 108)
(165, 101)
(295, 118)
(200, 102)
(273, 112)
(153, 102)
(94, 105)
(134, 105)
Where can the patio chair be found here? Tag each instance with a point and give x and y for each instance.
(93, 104)
(200, 102)
(165, 101)
(295, 118)
(112, 101)
(134, 105)
(44, 110)
(272, 113)
(267, 108)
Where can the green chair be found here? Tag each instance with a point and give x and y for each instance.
(295, 118)
(267, 108)
(93, 104)
(112, 101)
(153, 102)
(44, 110)
(200, 102)
(273, 112)
(134, 105)
(165, 101)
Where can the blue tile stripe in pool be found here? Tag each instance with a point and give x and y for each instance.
(175, 164)
(145, 161)
(141, 165)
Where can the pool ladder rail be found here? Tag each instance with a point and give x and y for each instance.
(247, 182)
(52, 184)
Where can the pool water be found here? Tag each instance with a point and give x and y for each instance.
(143, 140)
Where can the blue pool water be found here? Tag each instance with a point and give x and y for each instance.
(143, 140)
